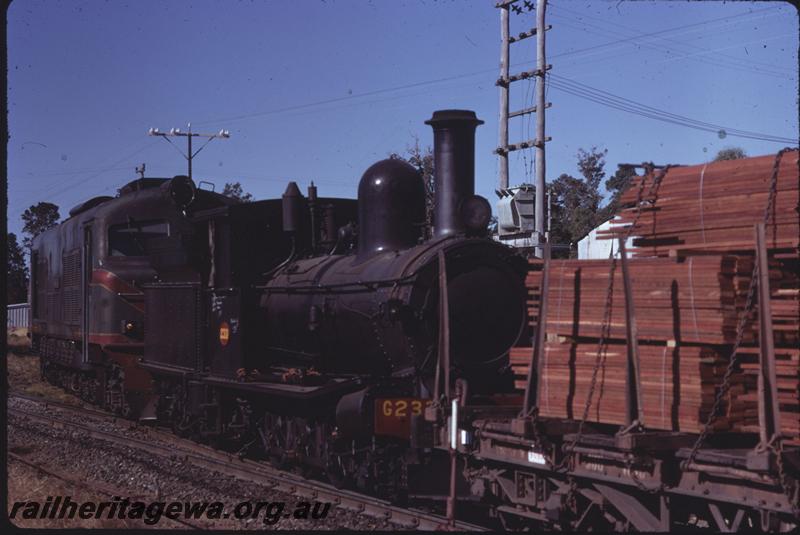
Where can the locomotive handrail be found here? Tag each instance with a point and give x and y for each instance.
(366, 284)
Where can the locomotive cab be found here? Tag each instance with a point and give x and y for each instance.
(220, 330)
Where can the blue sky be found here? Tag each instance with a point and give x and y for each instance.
(319, 90)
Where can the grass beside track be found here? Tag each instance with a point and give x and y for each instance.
(23, 370)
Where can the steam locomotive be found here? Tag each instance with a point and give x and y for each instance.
(305, 328)
(315, 332)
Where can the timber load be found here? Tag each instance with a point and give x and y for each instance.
(693, 258)
(696, 209)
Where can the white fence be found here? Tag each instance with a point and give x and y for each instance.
(18, 315)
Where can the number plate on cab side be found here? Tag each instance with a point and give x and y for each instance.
(393, 415)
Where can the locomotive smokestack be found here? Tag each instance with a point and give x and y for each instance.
(454, 159)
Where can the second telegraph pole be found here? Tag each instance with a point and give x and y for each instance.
(224, 134)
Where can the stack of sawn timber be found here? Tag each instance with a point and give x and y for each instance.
(697, 230)
(711, 207)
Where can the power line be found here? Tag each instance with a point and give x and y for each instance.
(76, 171)
(462, 76)
(348, 97)
(656, 35)
(682, 55)
(737, 45)
(659, 111)
(22, 181)
(660, 35)
(610, 100)
(586, 92)
(72, 186)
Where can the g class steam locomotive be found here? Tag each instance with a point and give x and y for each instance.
(306, 328)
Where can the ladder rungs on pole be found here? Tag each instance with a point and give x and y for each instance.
(525, 35)
(521, 76)
(519, 146)
(526, 111)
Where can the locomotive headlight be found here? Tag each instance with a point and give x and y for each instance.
(129, 327)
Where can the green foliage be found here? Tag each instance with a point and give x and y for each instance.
(234, 191)
(17, 281)
(591, 165)
(730, 153)
(575, 202)
(38, 218)
(422, 160)
(616, 186)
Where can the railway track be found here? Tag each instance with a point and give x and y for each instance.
(102, 489)
(232, 465)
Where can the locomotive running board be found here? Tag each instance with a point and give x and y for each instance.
(334, 385)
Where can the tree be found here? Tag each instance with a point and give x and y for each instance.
(573, 209)
(422, 161)
(38, 219)
(17, 281)
(616, 186)
(591, 165)
(730, 153)
(575, 203)
(234, 191)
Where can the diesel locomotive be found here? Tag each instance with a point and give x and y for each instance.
(305, 329)
(87, 304)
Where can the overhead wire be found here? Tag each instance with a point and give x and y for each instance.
(562, 84)
(686, 43)
(666, 113)
(243, 116)
(71, 186)
(697, 56)
(623, 104)
(684, 29)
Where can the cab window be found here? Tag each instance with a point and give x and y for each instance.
(131, 239)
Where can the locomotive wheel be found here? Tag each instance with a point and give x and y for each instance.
(277, 461)
(337, 478)
(339, 472)
(75, 384)
(271, 438)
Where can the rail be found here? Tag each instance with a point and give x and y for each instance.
(205, 457)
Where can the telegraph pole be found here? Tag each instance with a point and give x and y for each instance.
(504, 60)
(537, 234)
(189, 155)
(541, 68)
